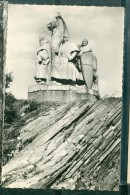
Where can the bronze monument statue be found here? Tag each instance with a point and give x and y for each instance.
(61, 64)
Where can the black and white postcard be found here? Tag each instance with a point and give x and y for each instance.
(63, 98)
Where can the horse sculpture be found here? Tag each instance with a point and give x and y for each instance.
(58, 28)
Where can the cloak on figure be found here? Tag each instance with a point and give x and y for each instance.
(86, 61)
(64, 69)
(43, 61)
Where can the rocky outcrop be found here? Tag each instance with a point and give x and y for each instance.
(75, 146)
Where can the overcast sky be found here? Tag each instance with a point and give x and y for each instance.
(102, 26)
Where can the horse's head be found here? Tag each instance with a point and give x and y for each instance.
(53, 21)
(57, 26)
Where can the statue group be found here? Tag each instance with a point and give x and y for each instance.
(62, 62)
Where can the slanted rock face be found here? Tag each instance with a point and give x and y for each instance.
(75, 146)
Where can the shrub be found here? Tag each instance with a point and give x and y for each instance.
(10, 114)
(33, 105)
(8, 79)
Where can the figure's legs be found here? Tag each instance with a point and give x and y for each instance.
(55, 72)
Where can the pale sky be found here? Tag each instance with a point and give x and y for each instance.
(102, 26)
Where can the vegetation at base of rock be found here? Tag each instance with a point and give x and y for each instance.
(17, 114)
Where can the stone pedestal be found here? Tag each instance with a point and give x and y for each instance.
(59, 93)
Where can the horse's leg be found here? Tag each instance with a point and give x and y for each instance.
(49, 69)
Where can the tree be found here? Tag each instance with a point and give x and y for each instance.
(9, 112)
(8, 79)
